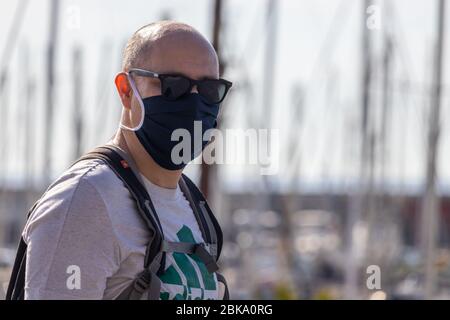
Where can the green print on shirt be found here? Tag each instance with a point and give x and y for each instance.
(171, 275)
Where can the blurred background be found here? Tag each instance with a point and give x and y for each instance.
(358, 90)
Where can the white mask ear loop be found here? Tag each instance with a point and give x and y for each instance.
(141, 103)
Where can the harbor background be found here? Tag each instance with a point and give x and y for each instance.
(358, 89)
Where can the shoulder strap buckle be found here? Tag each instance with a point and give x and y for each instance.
(203, 251)
(142, 282)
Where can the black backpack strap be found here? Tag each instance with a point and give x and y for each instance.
(212, 233)
(17, 281)
(154, 262)
(204, 251)
(123, 169)
(221, 279)
(146, 282)
(16, 285)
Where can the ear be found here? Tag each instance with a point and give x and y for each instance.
(124, 89)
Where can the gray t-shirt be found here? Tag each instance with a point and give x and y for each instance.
(86, 240)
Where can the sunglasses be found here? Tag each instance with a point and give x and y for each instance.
(174, 86)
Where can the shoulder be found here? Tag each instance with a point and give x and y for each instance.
(75, 194)
(71, 225)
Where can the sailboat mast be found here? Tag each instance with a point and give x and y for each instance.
(430, 206)
(207, 171)
(49, 90)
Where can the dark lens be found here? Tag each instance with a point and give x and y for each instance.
(213, 91)
(173, 87)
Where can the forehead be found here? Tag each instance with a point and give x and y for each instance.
(183, 53)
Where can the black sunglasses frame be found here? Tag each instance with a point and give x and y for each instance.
(192, 82)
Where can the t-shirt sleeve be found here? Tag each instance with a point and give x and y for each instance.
(72, 248)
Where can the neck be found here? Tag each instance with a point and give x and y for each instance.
(156, 174)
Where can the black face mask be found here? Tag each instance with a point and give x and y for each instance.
(161, 117)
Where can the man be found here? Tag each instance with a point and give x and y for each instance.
(87, 224)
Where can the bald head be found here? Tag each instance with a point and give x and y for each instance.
(171, 47)
(164, 47)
